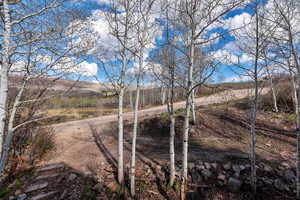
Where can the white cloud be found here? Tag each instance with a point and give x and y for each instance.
(88, 69)
(238, 21)
(236, 78)
(231, 54)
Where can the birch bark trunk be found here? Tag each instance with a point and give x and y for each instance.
(134, 136)
(135, 125)
(10, 132)
(187, 118)
(4, 73)
(120, 137)
(193, 107)
(254, 108)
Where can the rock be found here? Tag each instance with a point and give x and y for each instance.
(158, 168)
(285, 165)
(22, 197)
(279, 184)
(268, 181)
(221, 177)
(214, 165)
(236, 169)
(206, 173)
(63, 195)
(191, 165)
(242, 167)
(72, 177)
(18, 192)
(207, 165)
(35, 187)
(89, 174)
(51, 167)
(43, 195)
(199, 162)
(98, 187)
(196, 177)
(248, 166)
(200, 167)
(236, 174)
(234, 185)
(47, 176)
(289, 175)
(267, 168)
(227, 166)
(11, 198)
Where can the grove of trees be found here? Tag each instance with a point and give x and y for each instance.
(169, 43)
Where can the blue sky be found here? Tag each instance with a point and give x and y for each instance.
(224, 70)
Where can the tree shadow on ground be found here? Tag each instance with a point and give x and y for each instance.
(153, 146)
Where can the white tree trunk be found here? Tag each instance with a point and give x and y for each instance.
(295, 97)
(172, 125)
(193, 107)
(273, 91)
(131, 99)
(163, 95)
(298, 138)
(10, 132)
(120, 138)
(186, 120)
(4, 73)
(134, 135)
(254, 108)
(172, 149)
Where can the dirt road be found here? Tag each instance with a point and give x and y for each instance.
(77, 146)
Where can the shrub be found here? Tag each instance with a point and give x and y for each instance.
(284, 98)
(41, 142)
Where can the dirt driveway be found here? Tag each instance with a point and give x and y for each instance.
(77, 146)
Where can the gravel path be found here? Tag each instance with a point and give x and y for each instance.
(76, 146)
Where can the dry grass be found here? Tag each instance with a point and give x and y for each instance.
(63, 115)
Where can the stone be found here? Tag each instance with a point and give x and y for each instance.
(191, 165)
(285, 165)
(227, 166)
(248, 166)
(158, 168)
(237, 174)
(279, 184)
(268, 181)
(35, 187)
(207, 165)
(98, 187)
(47, 176)
(18, 192)
(214, 165)
(22, 197)
(234, 185)
(236, 168)
(242, 167)
(289, 175)
(206, 173)
(196, 177)
(51, 167)
(43, 195)
(72, 177)
(199, 162)
(200, 167)
(63, 195)
(221, 177)
(267, 168)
